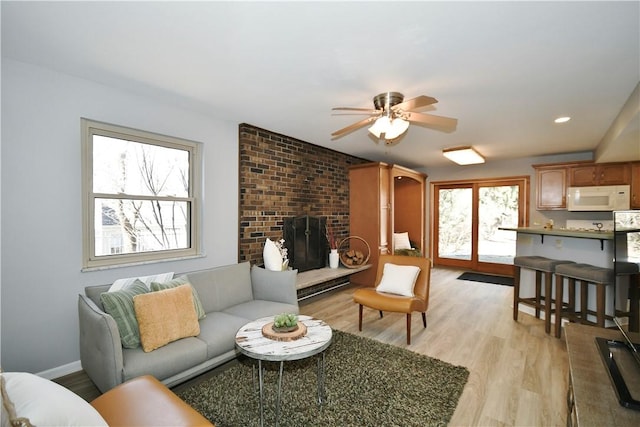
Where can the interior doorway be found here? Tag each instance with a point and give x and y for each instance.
(467, 219)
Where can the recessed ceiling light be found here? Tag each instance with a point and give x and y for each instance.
(564, 119)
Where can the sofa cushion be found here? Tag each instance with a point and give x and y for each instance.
(223, 287)
(155, 286)
(119, 305)
(166, 316)
(219, 330)
(40, 402)
(164, 362)
(274, 285)
(260, 308)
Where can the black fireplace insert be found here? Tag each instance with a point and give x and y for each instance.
(306, 242)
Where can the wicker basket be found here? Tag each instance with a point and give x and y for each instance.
(356, 256)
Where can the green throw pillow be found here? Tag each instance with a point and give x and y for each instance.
(119, 304)
(155, 286)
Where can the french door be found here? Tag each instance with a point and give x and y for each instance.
(467, 220)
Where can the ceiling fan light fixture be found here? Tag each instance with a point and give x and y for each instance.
(380, 126)
(463, 155)
(390, 128)
(396, 128)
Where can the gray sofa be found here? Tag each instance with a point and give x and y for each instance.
(231, 295)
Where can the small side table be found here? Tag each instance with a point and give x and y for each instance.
(252, 343)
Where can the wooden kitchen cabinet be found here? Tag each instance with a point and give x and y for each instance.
(600, 174)
(635, 185)
(551, 187)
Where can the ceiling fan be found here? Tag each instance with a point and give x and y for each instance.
(391, 116)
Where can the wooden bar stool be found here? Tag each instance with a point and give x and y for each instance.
(541, 265)
(584, 274)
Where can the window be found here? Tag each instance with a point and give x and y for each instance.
(141, 194)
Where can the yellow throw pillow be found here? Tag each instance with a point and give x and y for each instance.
(166, 316)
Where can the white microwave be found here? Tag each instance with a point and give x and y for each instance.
(604, 198)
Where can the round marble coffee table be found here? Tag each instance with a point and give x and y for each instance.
(251, 342)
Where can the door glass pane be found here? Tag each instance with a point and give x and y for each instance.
(454, 223)
(498, 207)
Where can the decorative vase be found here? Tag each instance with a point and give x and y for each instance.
(333, 258)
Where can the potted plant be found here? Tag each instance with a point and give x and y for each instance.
(285, 322)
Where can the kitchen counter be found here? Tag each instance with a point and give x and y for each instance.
(563, 232)
(581, 234)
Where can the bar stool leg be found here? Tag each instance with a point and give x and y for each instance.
(558, 323)
(547, 302)
(601, 290)
(584, 300)
(538, 292)
(516, 292)
(572, 299)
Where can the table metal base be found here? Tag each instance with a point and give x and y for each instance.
(320, 378)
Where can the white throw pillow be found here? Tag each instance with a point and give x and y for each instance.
(46, 403)
(272, 257)
(398, 279)
(401, 240)
(122, 283)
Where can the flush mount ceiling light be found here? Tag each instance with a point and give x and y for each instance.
(564, 119)
(463, 155)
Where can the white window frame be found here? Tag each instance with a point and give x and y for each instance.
(89, 259)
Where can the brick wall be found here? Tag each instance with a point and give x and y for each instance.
(284, 177)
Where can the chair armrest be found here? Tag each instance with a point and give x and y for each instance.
(100, 346)
(145, 401)
(277, 286)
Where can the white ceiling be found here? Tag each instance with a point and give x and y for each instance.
(505, 70)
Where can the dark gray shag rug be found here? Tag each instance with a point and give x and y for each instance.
(368, 383)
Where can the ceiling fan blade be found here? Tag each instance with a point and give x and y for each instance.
(364, 110)
(430, 119)
(417, 102)
(352, 127)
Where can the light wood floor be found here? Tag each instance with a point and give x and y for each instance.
(518, 373)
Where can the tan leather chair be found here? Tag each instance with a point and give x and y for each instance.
(381, 301)
(145, 401)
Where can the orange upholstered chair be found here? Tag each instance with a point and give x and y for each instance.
(384, 301)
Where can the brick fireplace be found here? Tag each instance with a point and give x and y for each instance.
(283, 177)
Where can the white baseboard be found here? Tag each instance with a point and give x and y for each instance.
(61, 371)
